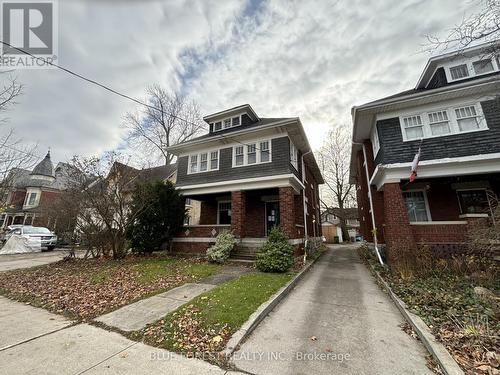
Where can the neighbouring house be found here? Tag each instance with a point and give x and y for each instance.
(249, 174)
(30, 193)
(453, 115)
(330, 224)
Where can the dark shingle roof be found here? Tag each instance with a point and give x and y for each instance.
(44, 168)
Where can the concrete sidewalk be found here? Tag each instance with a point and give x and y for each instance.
(39, 342)
(337, 320)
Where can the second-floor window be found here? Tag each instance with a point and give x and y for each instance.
(252, 153)
(454, 120)
(30, 199)
(294, 156)
(203, 162)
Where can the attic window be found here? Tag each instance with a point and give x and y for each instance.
(483, 66)
(217, 125)
(459, 71)
(226, 123)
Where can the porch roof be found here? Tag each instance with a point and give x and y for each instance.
(460, 166)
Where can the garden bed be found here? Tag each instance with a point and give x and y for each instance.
(202, 327)
(86, 288)
(450, 302)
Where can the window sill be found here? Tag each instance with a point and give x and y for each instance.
(473, 215)
(445, 135)
(460, 222)
(209, 170)
(250, 165)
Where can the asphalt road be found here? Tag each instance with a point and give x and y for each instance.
(17, 261)
(336, 321)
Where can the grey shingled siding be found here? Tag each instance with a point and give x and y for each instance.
(394, 150)
(280, 165)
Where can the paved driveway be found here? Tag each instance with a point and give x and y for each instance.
(336, 321)
(15, 261)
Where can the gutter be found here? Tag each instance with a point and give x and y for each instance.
(304, 204)
(374, 227)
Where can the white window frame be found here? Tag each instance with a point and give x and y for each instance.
(257, 153)
(294, 155)
(457, 191)
(375, 141)
(29, 192)
(452, 121)
(426, 201)
(198, 162)
(222, 122)
(469, 63)
(218, 210)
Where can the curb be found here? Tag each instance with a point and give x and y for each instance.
(264, 310)
(435, 348)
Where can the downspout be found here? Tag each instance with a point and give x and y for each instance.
(304, 207)
(374, 227)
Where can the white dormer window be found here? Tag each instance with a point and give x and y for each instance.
(483, 66)
(226, 123)
(459, 71)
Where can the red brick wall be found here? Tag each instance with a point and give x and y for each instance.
(287, 211)
(238, 213)
(198, 231)
(434, 233)
(190, 247)
(17, 198)
(208, 212)
(398, 232)
(48, 197)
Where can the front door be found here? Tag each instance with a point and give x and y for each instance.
(272, 215)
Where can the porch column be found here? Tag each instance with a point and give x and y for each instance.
(397, 229)
(287, 211)
(238, 213)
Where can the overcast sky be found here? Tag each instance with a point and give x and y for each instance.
(312, 59)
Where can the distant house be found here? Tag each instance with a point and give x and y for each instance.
(30, 193)
(330, 222)
(250, 174)
(453, 115)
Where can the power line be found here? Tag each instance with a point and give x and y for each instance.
(113, 91)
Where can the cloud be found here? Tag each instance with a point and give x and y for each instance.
(313, 59)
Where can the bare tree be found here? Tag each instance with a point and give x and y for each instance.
(13, 153)
(96, 204)
(482, 26)
(169, 120)
(334, 158)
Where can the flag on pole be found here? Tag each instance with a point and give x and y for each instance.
(414, 165)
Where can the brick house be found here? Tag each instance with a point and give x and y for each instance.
(29, 193)
(249, 174)
(453, 114)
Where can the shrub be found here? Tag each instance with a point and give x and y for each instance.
(158, 211)
(224, 243)
(277, 253)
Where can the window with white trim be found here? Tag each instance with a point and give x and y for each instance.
(439, 123)
(201, 163)
(265, 156)
(443, 122)
(416, 205)
(459, 71)
(414, 129)
(467, 118)
(239, 155)
(483, 66)
(294, 158)
(375, 141)
(252, 153)
(226, 123)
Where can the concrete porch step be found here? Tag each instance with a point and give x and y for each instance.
(244, 253)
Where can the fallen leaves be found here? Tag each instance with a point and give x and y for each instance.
(70, 287)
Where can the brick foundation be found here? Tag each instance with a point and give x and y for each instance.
(439, 233)
(192, 248)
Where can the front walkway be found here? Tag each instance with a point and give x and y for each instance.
(34, 341)
(336, 321)
(18, 261)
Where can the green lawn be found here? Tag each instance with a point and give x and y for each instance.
(207, 322)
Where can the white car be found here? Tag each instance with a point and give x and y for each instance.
(48, 239)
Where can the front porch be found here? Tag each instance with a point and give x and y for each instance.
(439, 212)
(249, 214)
